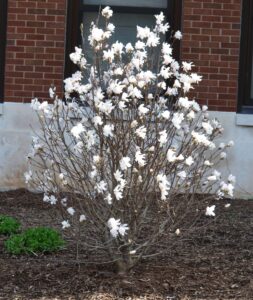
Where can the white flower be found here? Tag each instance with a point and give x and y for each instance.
(108, 130)
(181, 174)
(51, 92)
(153, 40)
(189, 161)
(171, 155)
(77, 130)
(107, 12)
(162, 137)
(222, 146)
(201, 139)
(101, 186)
(108, 199)
(210, 211)
(204, 108)
(223, 155)
(142, 32)
(111, 27)
(125, 163)
(227, 205)
(97, 120)
(82, 218)
(116, 227)
(166, 114)
(164, 185)
(76, 56)
(118, 175)
(177, 119)
(207, 163)
(118, 48)
(177, 232)
(134, 124)
(50, 199)
(139, 45)
(115, 87)
(231, 179)
(28, 176)
(123, 229)
(140, 158)
(141, 132)
(71, 211)
(160, 18)
(129, 48)
(212, 178)
(230, 144)
(195, 78)
(227, 189)
(35, 104)
(187, 66)
(184, 102)
(142, 110)
(97, 35)
(113, 225)
(106, 107)
(178, 35)
(191, 115)
(108, 55)
(207, 127)
(118, 192)
(65, 224)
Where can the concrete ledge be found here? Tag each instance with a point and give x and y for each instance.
(1, 109)
(244, 119)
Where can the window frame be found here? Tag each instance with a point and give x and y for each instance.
(245, 102)
(75, 11)
(3, 35)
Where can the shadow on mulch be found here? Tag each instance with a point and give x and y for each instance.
(215, 265)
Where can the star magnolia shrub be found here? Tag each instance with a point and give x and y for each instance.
(125, 155)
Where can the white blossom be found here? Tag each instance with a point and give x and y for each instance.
(101, 187)
(125, 163)
(141, 132)
(177, 119)
(189, 161)
(65, 224)
(107, 12)
(108, 130)
(210, 211)
(71, 211)
(162, 137)
(140, 158)
(82, 218)
(77, 130)
(97, 120)
(178, 35)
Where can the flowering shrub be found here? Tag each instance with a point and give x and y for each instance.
(124, 156)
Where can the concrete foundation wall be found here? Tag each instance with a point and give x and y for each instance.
(16, 120)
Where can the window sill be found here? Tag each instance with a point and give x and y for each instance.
(244, 119)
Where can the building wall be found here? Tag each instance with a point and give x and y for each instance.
(211, 40)
(35, 59)
(35, 48)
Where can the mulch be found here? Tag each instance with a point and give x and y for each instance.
(217, 264)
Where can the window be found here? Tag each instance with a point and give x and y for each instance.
(127, 14)
(3, 22)
(245, 93)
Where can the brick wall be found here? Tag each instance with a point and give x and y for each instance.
(35, 48)
(211, 40)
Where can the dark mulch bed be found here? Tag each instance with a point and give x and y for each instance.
(217, 264)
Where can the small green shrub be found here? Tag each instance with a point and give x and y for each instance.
(8, 225)
(35, 240)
